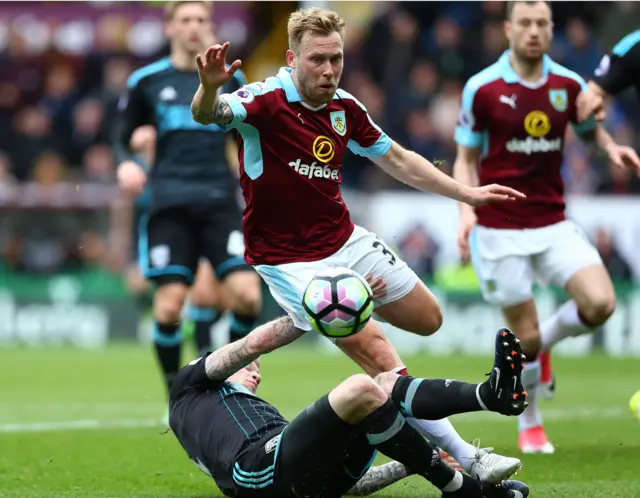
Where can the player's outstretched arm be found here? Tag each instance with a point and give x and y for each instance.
(268, 337)
(415, 170)
(379, 477)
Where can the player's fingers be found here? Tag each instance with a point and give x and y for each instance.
(632, 159)
(463, 248)
(509, 192)
(615, 158)
(211, 53)
(199, 61)
(222, 55)
(587, 104)
(234, 66)
(378, 286)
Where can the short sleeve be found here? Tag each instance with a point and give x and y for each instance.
(619, 68)
(248, 104)
(192, 376)
(471, 120)
(366, 138)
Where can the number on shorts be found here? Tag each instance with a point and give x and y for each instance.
(378, 244)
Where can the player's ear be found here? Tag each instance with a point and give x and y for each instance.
(507, 29)
(168, 32)
(291, 59)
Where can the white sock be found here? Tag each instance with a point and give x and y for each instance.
(531, 416)
(455, 484)
(441, 433)
(564, 323)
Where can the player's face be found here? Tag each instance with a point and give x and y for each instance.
(530, 30)
(190, 29)
(318, 67)
(248, 376)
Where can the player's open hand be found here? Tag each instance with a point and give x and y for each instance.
(591, 102)
(378, 286)
(468, 221)
(479, 196)
(212, 66)
(623, 156)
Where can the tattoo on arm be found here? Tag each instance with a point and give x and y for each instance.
(378, 478)
(220, 113)
(230, 358)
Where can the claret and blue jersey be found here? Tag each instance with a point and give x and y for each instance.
(291, 158)
(520, 127)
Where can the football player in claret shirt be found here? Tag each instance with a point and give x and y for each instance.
(511, 129)
(294, 130)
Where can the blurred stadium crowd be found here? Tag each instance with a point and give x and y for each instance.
(63, 68)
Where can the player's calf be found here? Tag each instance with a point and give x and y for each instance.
(168, 302)
(434, 399)
(245, 296)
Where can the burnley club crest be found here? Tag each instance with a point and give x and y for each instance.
(559, 99)
(339, 122)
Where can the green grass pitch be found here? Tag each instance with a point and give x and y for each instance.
(84, 424)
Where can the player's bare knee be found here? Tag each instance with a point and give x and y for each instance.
(529, 335)
(168, 302)
(203, 298)
(599, 310)
(386, 381)
(247, 302)
(430, 322)
(245, 292)
(357, 397)
(434, 321)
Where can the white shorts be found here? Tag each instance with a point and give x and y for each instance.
(508, 262)
(363, 253)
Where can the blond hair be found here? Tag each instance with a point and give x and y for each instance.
(170, 8)
(315, 21)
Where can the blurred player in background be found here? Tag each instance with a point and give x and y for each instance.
(512, 124)
(617, 71)
(193, 212)
(294, 130)
(250, 450)
(207, 298)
